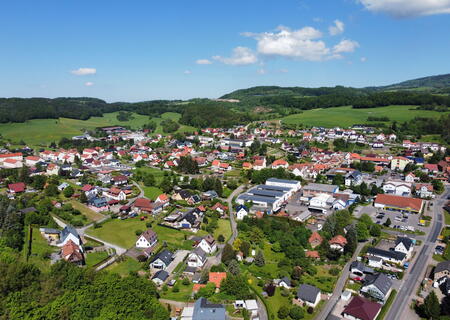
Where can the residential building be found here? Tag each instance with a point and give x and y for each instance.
(309, 295)
(361, 309)
(147, 239)
(377, 286)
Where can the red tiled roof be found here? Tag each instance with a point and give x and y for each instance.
(340, 240)
(217, 277)
(17, 187)
(143, 203)
(363, 309)
(10, 155)
(313, 254)
(399, 202)
(315, 236)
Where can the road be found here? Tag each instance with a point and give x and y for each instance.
(329, 305)
(235, 192)
(416, 272)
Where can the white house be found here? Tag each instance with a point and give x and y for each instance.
(147, 239)
(208, 244)
(398, 188)
(161, 260)
(241, 212)
(404, 245)
(197, 258)
(309, 295)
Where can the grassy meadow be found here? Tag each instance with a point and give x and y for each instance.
(347, 116)
(40, 132)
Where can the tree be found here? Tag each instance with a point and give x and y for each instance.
(245, 248)
(68, 192)
(221, 238)
(431, 306)
(351, 237)
(39, 182)
(149, 180)
(259, 259)
(361, 231)
(338, 179)
(283, 312)
(387, 223)
(233, 267)
(228, 254)
(235, 286)
(296, 313)
(375, 230)
(83, 198)
(51, 190)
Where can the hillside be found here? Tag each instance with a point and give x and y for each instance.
(433, 82)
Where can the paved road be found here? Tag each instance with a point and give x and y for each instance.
(329, 305)
(235, 192)
(416, 272)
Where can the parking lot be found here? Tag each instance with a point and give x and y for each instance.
(401, 221)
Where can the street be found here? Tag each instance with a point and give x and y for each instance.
(415, 274)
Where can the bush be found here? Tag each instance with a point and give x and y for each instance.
(310, 310)
(296, 313)
(142, 258)
(283, 312)
(138, 232)
(186, 282)
(148, 224)
(334, 271)
(176, 289)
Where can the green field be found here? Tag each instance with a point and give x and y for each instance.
(347, 116)
(92, 258)
(43, 131)
(224, 228)
(125, 266)
(122, 233)
(152, 192)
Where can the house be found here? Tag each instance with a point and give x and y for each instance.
(143, 205)
(67, 234)
(315, 239)
(209, 195)
(398, 188)
(404, 245)
(375, 262)
(18, 187)
(410, 177)
(163, 199)
(280, 163)
(241, 212)
(160, 277)
(62, 186)
(353, 178)
(120, 180)
(72, 253)
(442, 270)
(115, 194)
(308, 295)
(197, 258)
(285, 282)
(377, 286)
(217, 277)
(361, 309)
(398, 203)
(208, 244)
(205, 310)
(181, 195)
(161, 260)
(387, 255)
(359, 269)
(338, 243)
(399, 163)
(98, 204)
(147, 239)
(424, 190)
(89, 190)
(312, 254)
(220, 208)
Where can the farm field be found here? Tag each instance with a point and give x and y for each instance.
(41, 132)
(347, 116)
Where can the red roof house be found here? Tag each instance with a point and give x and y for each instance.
(16, 187)
(361, 308)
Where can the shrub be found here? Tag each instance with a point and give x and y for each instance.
(186, 281)
(138, 232)
(334, 271)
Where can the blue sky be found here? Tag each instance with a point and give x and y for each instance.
(147, 49)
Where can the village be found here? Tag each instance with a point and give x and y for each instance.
(249, 222)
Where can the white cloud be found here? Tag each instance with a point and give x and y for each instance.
(187, 72)
(408, 8)
(337, 28)
(89, 84)
(261, 71)
(302, 44)
(84, 71)
(203, 61)
(240, 56)
(363, 59)
(345, 46)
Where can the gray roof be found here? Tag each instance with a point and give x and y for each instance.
(361, 266)
(286, 280)
(165, 256)
(200, 253)
(293, 182)
(399, 256)
(307, 293)
(161, 274)
(204, 310)
(381, 281)
(442, 266)
(320, 187)
(66, 231)
(407, 242)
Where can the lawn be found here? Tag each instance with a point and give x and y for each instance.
(387, 305)
(119, 232)
(88, 213)
(40, 249)
(157, 173)
(347, 116)
(224, 228)
(40, 132)
(125, 266)
(152, 192)
(447, 218)
(92, 258)
(183, 295)
(123, 233)
(322, 280)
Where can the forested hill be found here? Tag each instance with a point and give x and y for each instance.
(434, 82)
